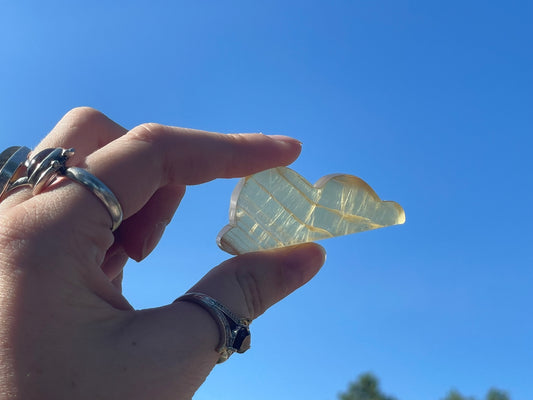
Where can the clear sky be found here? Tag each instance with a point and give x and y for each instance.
(430, 102)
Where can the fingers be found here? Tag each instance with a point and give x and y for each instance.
(139, 234)
(154, 156)
(137, 164)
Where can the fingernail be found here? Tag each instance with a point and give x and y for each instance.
(114, 263)
(152, 240)
(285, 139)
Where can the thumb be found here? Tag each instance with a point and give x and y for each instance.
(180, 339)
(251, 283)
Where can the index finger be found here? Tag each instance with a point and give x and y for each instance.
(150, 156)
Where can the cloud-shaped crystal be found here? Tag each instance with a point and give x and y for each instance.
(278, 207)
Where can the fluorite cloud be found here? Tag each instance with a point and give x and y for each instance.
(278, 207)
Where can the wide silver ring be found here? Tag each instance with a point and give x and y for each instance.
(45, 166)
(100, 190)
(234, 331)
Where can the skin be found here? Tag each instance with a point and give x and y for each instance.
(66, 330)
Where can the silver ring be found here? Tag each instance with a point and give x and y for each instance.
(234, 331)
(44, 167)
(12, 162)
(100, 190)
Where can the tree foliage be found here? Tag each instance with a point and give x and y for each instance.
(455, 395)
(497, 394)
(492, 394)
(366, 387)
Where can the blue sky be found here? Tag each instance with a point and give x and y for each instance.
(430, 102)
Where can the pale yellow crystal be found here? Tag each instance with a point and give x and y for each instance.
(278, 207)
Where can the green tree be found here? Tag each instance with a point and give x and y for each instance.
(455, 395)
(493, 394)
(497, 394)
(365, 388)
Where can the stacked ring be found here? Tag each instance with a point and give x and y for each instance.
(40, 170)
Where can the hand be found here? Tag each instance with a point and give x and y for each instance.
(66, 331)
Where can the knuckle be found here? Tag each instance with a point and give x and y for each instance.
(84, 115)
(88, 122)
(152, 135)
(148, 132)
(162, 138)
